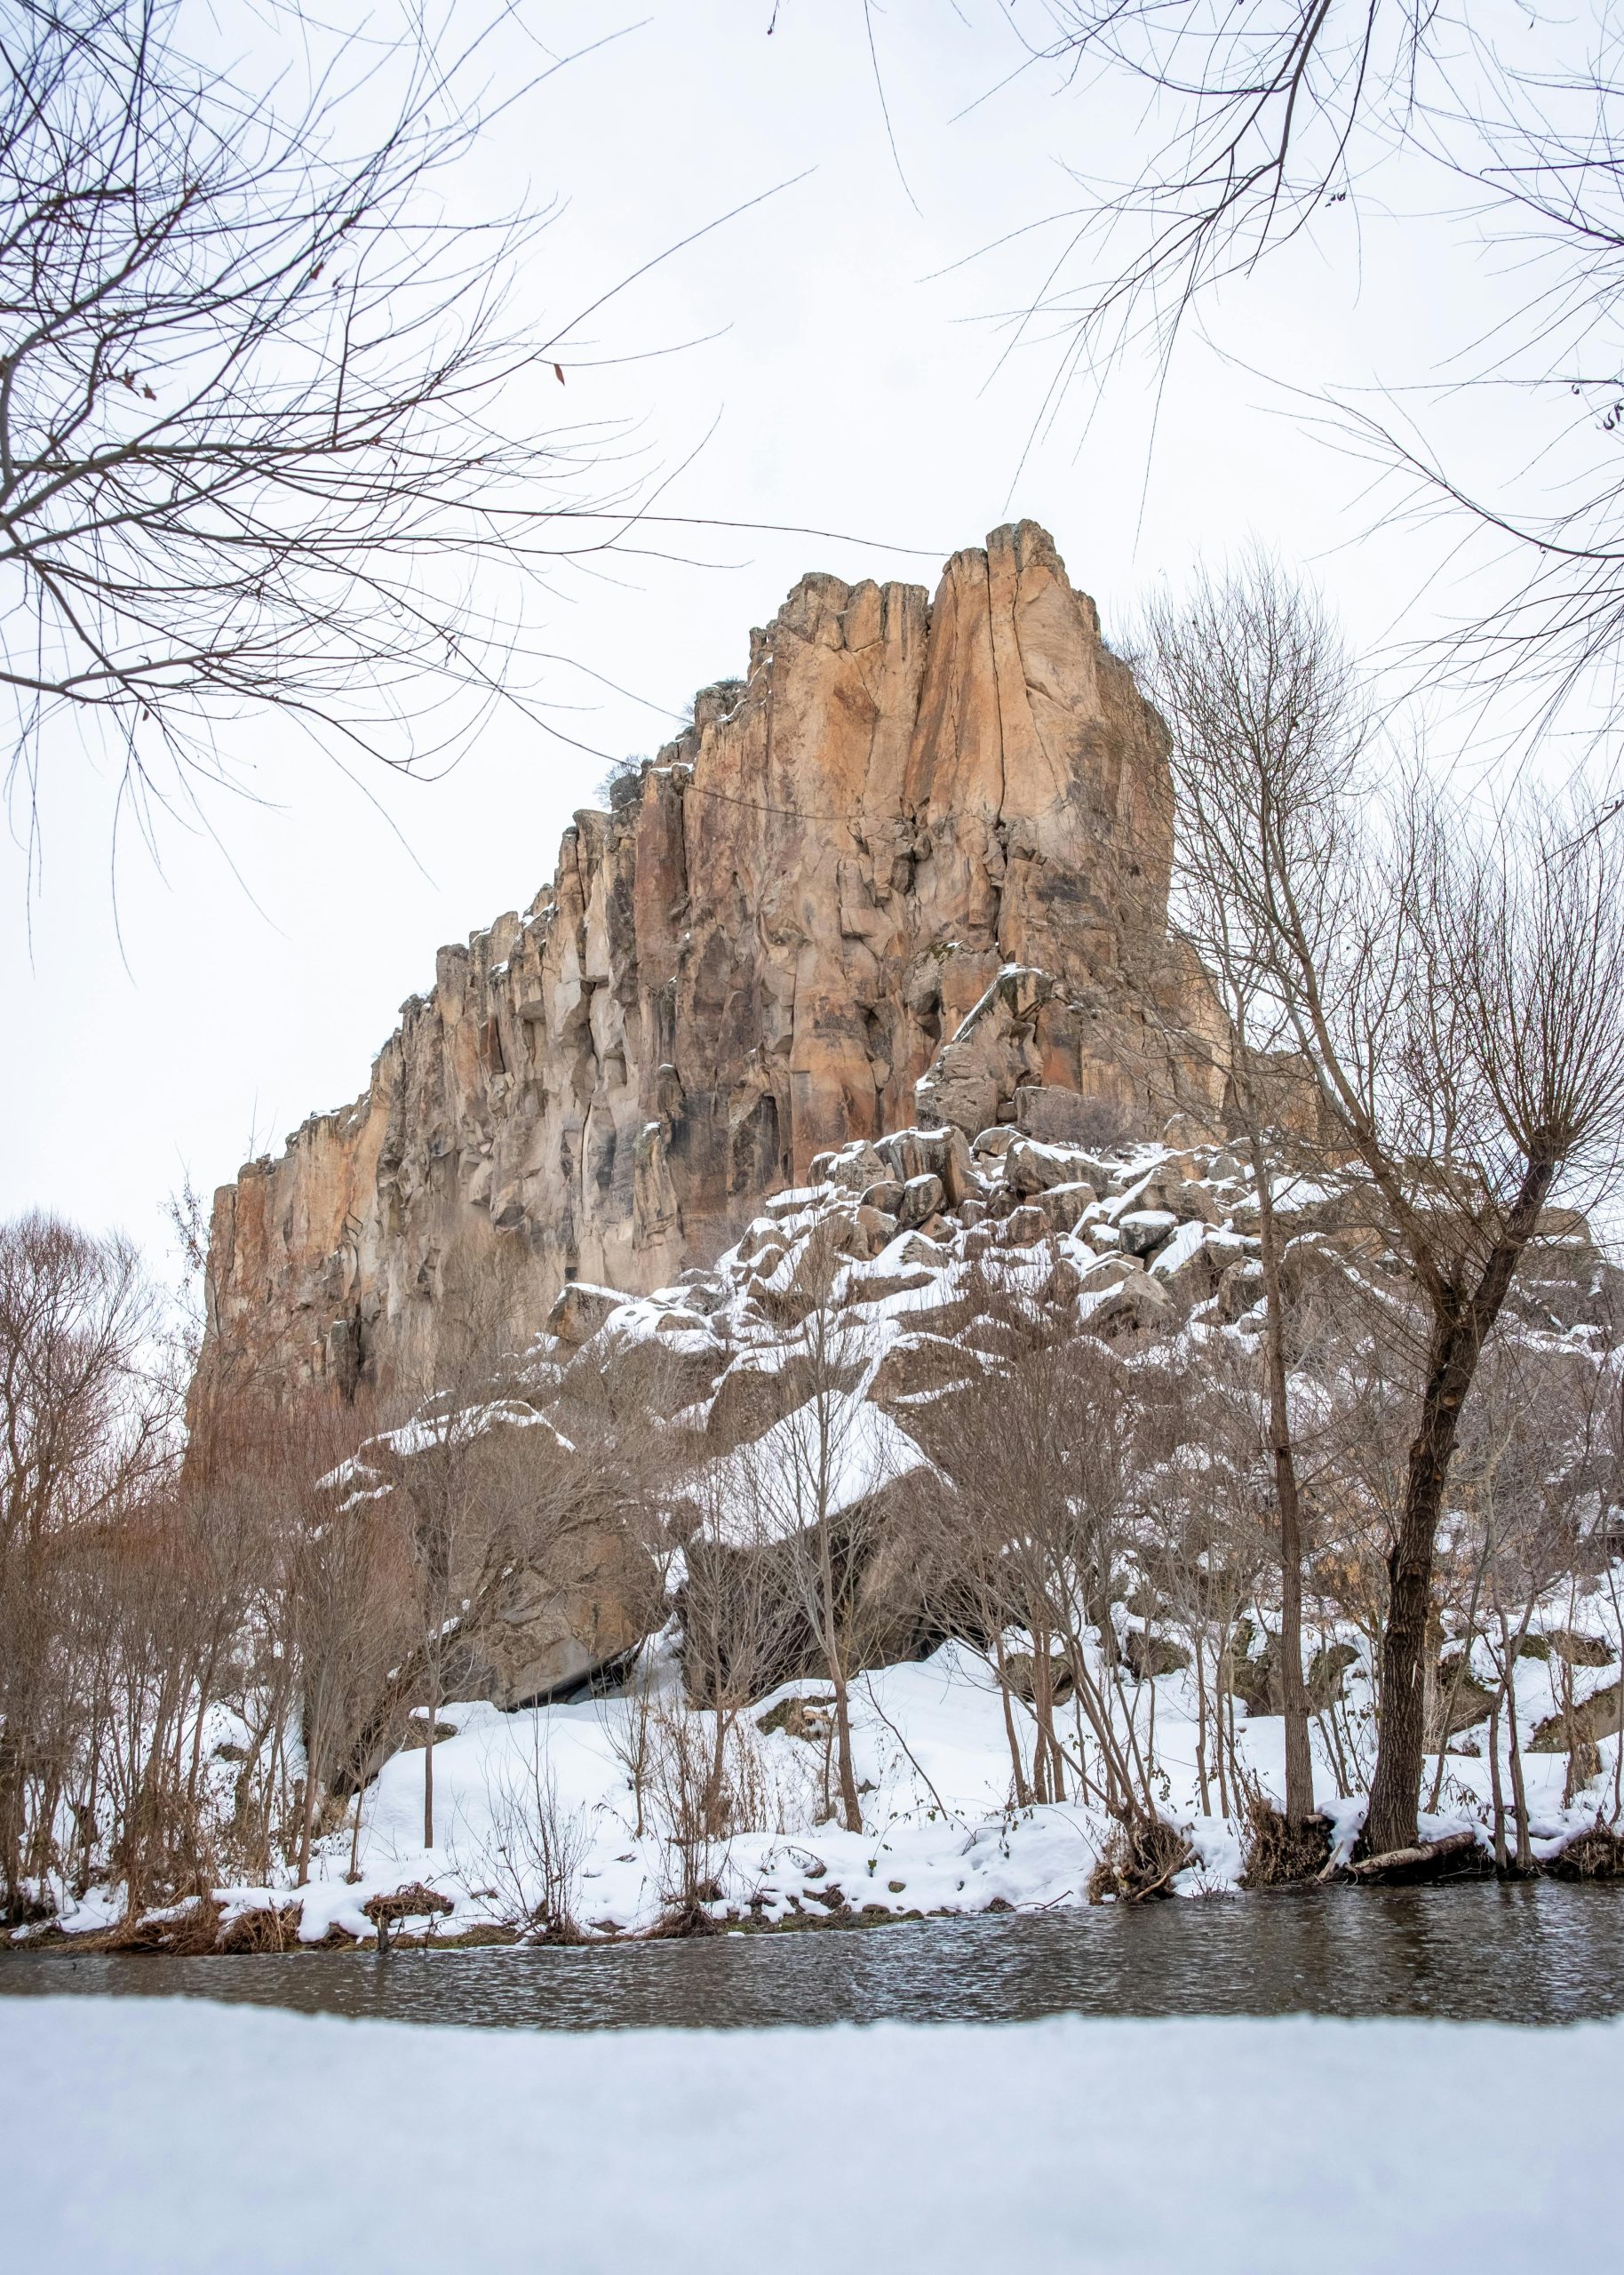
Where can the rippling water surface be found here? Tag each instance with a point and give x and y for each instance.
(1534, 1953)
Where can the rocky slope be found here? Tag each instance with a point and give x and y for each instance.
(914, 865)
(837, 1333)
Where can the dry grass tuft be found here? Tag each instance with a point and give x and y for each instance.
(267, 1928)
(1141, 1860)
(1597, 1854)
(190, 1934)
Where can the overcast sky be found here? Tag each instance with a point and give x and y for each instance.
(173, 1019)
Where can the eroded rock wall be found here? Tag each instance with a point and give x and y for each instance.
(796, 928)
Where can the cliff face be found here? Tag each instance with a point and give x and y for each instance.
(794, 929)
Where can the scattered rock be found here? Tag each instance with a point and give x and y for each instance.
(1327, 1675)
(1022, 1671)
(798, 1717)
(1063, 1206)
(922, 1199)
(855, 1168)
(1135, 1305)
(1025, 1225)
(1057, 1117)
(415, 1738)
(580, 1310)
(1150, 1656)
(1599, 1716)
(1239, 1290)
(1566, 1643)
(1142, 1230)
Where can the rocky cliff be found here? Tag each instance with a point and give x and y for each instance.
(914, 864)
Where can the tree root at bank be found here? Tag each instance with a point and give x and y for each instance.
(1277, 1853)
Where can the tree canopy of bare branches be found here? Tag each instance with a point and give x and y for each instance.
(1267, 122)
(78, 1441)
(1456, 990)
(261, 441)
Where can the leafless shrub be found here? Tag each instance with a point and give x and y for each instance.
(536, 1849)
(743, 1603)
(693, 1815)
(630, 1734)
(190, 1929)
(781, 1531)
(415, 1900)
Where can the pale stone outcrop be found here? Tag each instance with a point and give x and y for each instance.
(777, 940)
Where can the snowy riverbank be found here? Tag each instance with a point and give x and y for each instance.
(933, 1759)
(141, 2134)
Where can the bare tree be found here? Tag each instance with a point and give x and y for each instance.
(1203, 1480)
(1457, 992)
(1270, 124)
(1040, 1545)
(809, 1485)
(81, 1437)
(258, 439)
(502, 1502)
(743, 1616)
(1260, 742)
(349, 1578)
(451, 1481)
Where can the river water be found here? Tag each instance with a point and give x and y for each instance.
(1535, 1953)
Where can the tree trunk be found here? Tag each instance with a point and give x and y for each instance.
(850, 1805)
(302, 1868)
(428, 1785)
(1401, 1740)
(1496, 1790)
(1520, 1790)
(1201, 1778)
(834, 1659)
(355, 1870)
(1460, 1327)
(1022, 1792)
(1299, 1756)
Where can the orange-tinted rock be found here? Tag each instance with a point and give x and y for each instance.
(770, 946)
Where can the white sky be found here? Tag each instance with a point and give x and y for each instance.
(850, 392)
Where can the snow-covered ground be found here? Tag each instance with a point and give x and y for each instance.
(149, 2134)
(933, 1759)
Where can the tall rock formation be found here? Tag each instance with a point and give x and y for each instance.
(917, 860)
